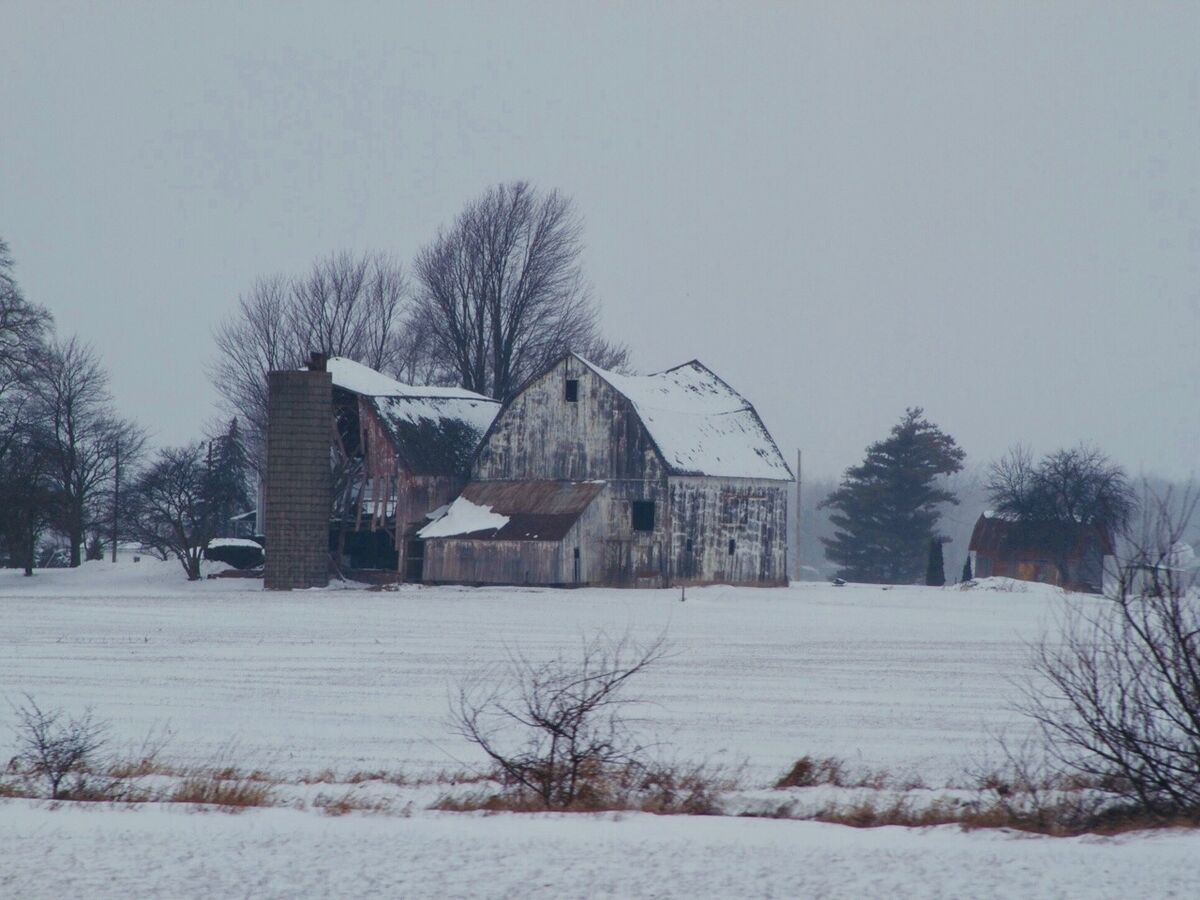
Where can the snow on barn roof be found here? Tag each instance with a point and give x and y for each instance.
(434, 429)
(360, 379)
(700, 424)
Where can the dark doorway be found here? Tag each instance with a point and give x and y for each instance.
(414, 568)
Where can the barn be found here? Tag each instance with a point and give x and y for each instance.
(1067, 554)
(593, 477)
(399, 453)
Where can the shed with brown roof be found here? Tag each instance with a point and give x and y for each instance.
(1066, 554)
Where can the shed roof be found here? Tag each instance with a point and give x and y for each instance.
(434, 430)
(700, 424)
(998, 535)
(533, 510)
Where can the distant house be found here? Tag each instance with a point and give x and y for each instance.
(1067, 554)
(592, 477)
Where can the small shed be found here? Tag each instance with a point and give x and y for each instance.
(1069, 555)
(528, 532)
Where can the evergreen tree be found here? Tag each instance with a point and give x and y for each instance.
(228, 466)
(967, 575)
(885, 509)
(935, 571)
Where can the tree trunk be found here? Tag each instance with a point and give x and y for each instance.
(75, 533)
(30, 549)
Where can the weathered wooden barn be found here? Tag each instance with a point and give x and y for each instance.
(401, 452)
(356, 463)
(591, 477)
(1067, 554)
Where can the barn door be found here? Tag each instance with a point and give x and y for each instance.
(414, 568)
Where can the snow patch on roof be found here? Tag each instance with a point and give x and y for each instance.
(464, 517)
(701, 425)
(360, 379)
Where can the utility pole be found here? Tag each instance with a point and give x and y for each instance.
(116, 495)
(799, 518)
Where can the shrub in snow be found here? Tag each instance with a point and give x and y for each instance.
(56, 749)
(1117, 696)
(556, 730)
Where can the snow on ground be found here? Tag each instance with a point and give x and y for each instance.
(909, 679)
(159, 852)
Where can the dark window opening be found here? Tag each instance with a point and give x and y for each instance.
(572, 390)
(643, 515)
(688, 546)
(577, 553)
(732, 546)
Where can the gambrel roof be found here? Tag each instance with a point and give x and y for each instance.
(700, 424)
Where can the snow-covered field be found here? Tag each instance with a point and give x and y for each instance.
(913, 680)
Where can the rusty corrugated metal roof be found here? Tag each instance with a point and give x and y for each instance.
(536, 510)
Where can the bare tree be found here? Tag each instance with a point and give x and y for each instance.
(54, 747)
(1079, 484)
(503, 294)
(82, 433)
(347, 305)
(170, 507)
(23, 329)
(24, 491)
(26, 497)
(23, 325)
(557, 729)
(1118, 697)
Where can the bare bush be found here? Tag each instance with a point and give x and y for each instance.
(58, 750)
(1117, 699)
(557, 730)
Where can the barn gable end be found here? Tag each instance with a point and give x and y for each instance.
(694, 488)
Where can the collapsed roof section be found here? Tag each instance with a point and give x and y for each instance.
(433, 430)
(700, 424)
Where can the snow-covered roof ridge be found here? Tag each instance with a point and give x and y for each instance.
(359, 379)
(699, 423)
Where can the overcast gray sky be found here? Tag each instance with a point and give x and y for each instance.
(988, 209)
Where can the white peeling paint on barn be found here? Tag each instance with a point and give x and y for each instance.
(694, 488)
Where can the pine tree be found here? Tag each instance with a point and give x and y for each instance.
(226, 493)
(885, 509)
(967, 575)
(935, 571)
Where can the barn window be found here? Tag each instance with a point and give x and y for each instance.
(688, 548)
(732, 546)
(643, 515)
(572, 390)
